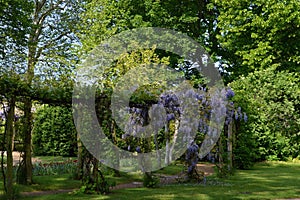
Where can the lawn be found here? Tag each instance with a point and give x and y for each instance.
(49, 159)
(268, 180)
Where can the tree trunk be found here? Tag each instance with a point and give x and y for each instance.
(229, 146)
(148, 162)
(167, 161)
(79, 173)
(27, 145)
(117, 159)
(95, 175)
(174, 139)
(10, 134)
(158, 154)
(25, 168)
(220, 144)
(91, 174)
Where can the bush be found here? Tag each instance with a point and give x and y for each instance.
(271, 100)
(245, 149)
(54, 133)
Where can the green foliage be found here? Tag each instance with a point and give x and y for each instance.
(223, 171)
(15, 195)
(259, 34)
(192, 17)
(150, 181)
(54, 168)
(96, 184)
(271, 100)
(14, 25)
(36, 41)
(102, 186)
(54, 132)
(245, 148)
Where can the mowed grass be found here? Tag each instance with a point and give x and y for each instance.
(172, 169)
(53, 182)
(269, 180)
(49, 159)
(44, 183)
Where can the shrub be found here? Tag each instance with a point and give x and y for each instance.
(54, 133)
(271, 100)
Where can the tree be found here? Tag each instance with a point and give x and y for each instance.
(103, 18)
(40, 56)
(271, 100)
(9, 134)
(14, 20)
(14, 25)
(49, 50)
(258, 35)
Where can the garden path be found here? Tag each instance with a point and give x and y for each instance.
(206, 168)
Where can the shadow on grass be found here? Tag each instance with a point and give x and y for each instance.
(264, 181)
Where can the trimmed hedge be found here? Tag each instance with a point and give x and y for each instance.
(54, 132)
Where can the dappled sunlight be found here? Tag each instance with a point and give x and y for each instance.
(261, 182)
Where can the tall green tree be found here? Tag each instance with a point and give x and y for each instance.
(259, 34)
(14, 24)
(49, 43)
(104, 18)
(41, 57)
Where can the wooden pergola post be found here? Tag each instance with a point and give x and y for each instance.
(229, 145)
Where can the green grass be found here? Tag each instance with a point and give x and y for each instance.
(49, 159)
(44, 183)
(173, 169)
(268, 180)
(53, 182)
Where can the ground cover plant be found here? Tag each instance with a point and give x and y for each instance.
(54, 168)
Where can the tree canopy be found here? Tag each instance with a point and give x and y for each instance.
(259, 34)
